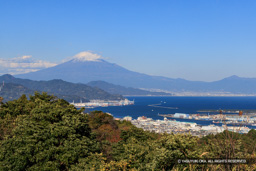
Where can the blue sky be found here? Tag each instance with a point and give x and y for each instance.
(195, 40)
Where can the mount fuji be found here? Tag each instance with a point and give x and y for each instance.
(85, 70)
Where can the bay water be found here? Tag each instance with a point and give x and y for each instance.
(153, 106)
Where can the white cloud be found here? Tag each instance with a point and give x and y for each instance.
(23, 64)
(87, 56)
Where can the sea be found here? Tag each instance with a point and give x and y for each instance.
(151, 107)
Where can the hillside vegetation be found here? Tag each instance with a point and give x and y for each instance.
(15, 87)
(47, 133)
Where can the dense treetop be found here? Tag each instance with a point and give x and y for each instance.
(47, 133)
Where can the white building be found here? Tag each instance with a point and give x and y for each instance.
(127, 118)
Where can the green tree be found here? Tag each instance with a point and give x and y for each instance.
(228, 145)
(170, 148)
(17, 107)
(51, 135)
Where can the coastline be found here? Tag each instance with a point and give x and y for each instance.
(228, 95)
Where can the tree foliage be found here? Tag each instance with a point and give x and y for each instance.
(51, 135)
(47, 133)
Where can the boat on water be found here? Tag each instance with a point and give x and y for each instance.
(215, 122)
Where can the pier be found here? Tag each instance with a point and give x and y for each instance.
(234, 119)
(103, 103)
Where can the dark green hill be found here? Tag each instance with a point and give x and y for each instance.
(12, 91)
(60, 88)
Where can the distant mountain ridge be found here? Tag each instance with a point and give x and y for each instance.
(128, 91)
(86, 71)
(62, 89)
(235, 84)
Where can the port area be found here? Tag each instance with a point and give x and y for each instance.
(172, 126)
(233, 119)
(103, 103)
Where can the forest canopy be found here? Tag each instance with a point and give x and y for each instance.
(43, 132)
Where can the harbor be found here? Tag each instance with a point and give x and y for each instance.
(172, 126)
(203, 111)
(239, 119)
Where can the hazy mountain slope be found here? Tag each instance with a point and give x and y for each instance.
(235, 84)
(117, 89)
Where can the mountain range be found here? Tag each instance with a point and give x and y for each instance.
(78, 71)
(14, 87)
